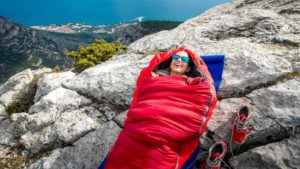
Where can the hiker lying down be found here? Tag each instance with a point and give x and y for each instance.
(172, 104)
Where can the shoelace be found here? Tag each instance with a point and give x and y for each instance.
(216, 162)
(225, 164)
(210, 164)
(240, 123)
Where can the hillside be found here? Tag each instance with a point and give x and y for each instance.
(131, 33)
(126, 32)
(24, 47)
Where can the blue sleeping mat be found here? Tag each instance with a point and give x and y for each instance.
(215, 64)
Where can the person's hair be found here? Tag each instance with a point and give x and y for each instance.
(166, 65)
(192, 66)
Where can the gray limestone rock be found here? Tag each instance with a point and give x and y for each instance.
(73, 125)
(247, 39)
(279, 102)
(45, 138)
(95, 114)
(275, 111)
(12, 129)
(17, 82)
(3, 114)
(87, 152)
(112, 81)
(280, 155)
(109, 113)
(120, 119)
(69, 127)
(19, 117)
(40, 72)
(11, 90)
(49, 108)
(51, 81)
(7, 136)
(18, 85)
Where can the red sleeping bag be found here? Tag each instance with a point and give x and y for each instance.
(166, 118)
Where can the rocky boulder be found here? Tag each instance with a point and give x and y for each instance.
(51, 81)
(3, 114)
(16, 86)
(87, 152)
(11, 89)
(278, 155)
(50, 107)
(68, 128)
(274, 115)
(111, 82)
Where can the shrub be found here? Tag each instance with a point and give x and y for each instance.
(95, 53)
(16, 107)
(57, 69)
(24, 100)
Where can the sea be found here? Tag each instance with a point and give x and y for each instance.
(99, 12)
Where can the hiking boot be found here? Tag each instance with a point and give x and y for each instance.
(215, 156)
(239, 129)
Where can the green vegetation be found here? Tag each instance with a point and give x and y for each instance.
(16, 107)
(95, 53)
(24, 100)
(153, 26)
(57, 69)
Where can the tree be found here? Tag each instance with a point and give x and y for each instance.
(95, 53)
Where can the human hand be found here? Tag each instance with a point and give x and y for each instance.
(194, 81)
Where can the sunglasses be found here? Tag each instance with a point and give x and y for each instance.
(184, 59)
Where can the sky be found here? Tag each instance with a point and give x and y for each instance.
(97, 12)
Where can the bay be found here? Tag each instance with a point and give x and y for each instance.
(97, 12)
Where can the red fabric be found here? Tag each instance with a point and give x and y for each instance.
(203, 166)
(166, 118)
(196, 81)
(212, 158)
(240, 137)
(242, 117)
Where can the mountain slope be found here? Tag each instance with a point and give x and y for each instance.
(24, 47)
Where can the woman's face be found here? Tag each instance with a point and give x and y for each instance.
(177, 66)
